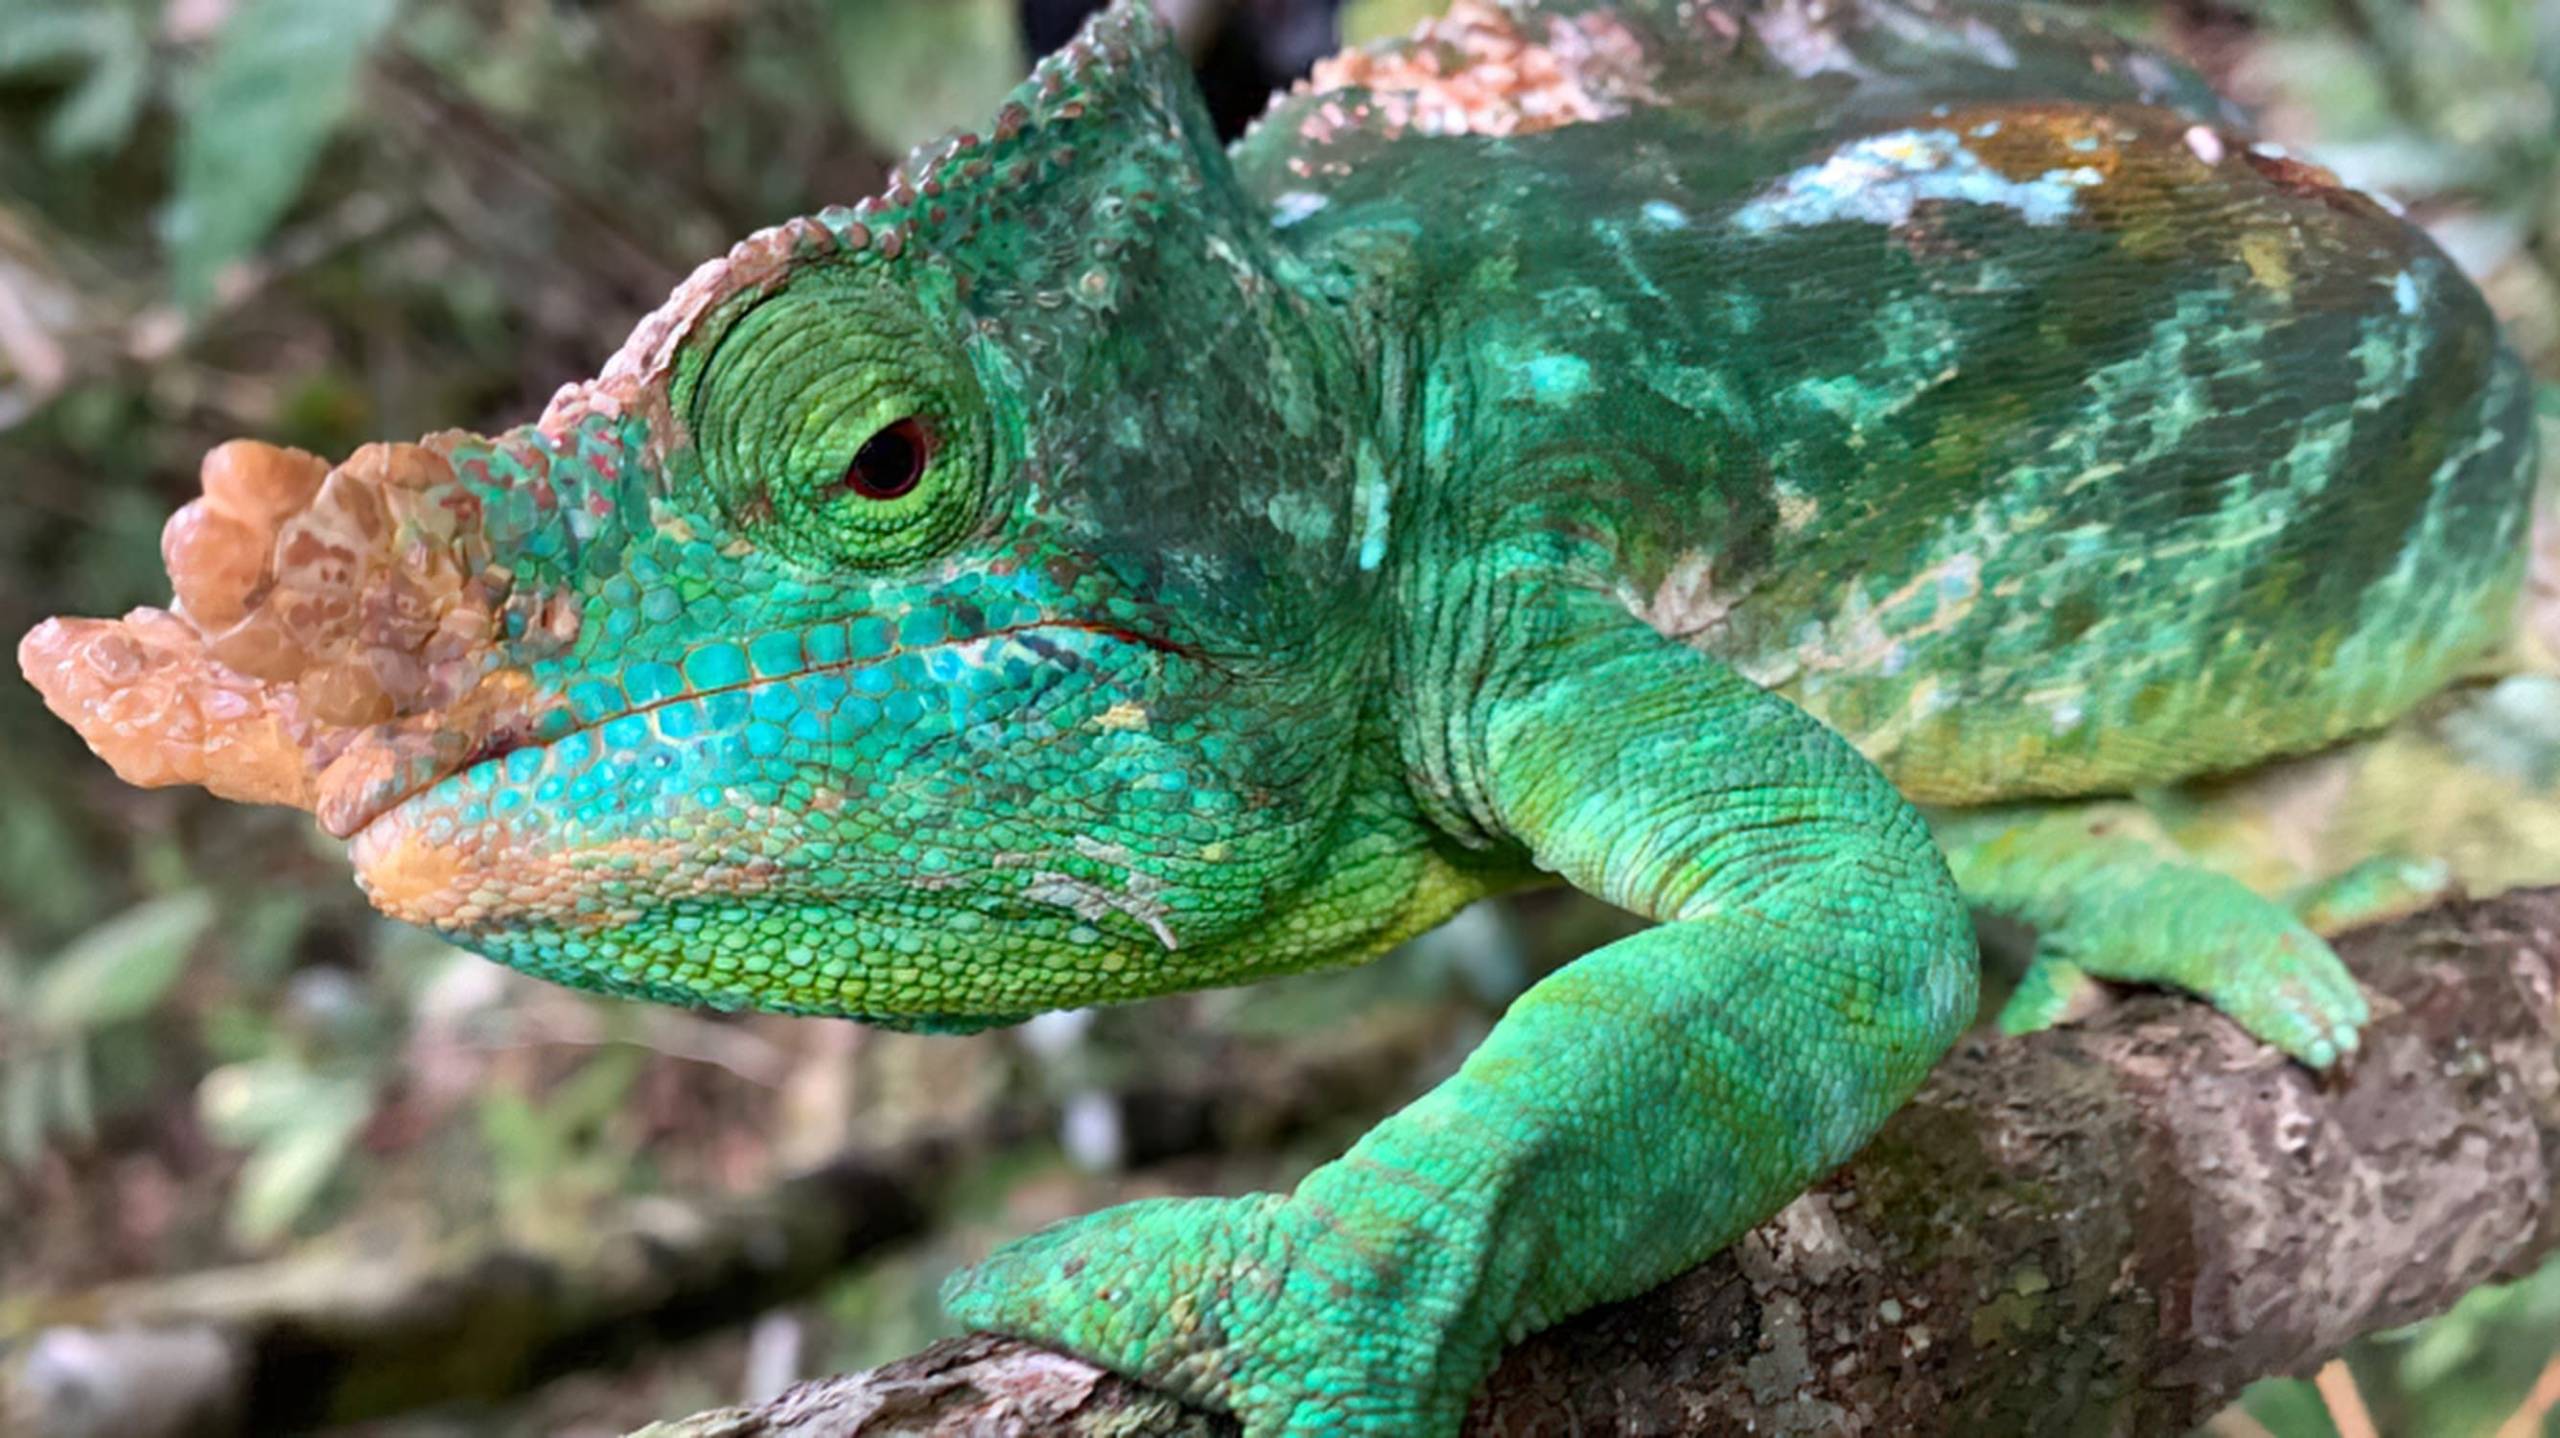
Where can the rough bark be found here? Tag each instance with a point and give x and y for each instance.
(2101, 1230)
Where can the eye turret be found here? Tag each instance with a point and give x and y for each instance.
(838, 425)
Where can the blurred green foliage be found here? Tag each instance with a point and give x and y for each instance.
(325, 221)
(910, 71)
(106, 46)
(280, 77)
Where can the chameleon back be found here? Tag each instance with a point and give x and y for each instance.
(1986, 391)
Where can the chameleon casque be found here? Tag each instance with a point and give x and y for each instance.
(1647, 445)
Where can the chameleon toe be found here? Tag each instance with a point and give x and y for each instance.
(2111, 898)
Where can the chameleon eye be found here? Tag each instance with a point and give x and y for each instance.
(892, 461)
(836, 426)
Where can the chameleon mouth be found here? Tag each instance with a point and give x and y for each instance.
(446, 853)
(775, 658)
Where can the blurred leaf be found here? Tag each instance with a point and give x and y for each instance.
(2442, 1347)
(22, 1108)
(43, 882)
(287, 1170)
(119, 969)
(260, 940)
(536, 1140)
(585, 1099)
(247, 1104)
(911, 70)
(279, 80)
(106, 43)
(297, 1125)
(75, 1104)
(519, 1141)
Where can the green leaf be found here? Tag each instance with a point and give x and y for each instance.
(279, 80)
(45, 887)
(912, 70)
(595, 1092)
(287, 1170)
(106, 42)
(520, 1143)
(119, 969)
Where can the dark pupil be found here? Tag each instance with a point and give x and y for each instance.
(889, 462)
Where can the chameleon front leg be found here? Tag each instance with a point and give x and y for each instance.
(2113, 897)
(1629, 1116)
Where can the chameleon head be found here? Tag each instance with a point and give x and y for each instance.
(938, 611)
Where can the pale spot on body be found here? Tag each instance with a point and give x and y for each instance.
(1294, 206)
(1688, 603)
(1374, 520)
(1124, 716)
(2270, 264)
(1795, 511)
(1880, 179)
(1557, 379)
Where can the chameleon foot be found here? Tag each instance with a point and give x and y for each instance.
(2111, 899)
(2288, 989)
(1244, 1305)
(2389, 886)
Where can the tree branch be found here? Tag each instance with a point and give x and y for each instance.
(2108, 1229)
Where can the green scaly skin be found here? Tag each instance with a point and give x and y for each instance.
(1654, 478)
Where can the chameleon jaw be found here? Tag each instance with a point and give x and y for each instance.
(525, 831)
(335, 640)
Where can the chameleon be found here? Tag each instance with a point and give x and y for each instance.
(1787, 471)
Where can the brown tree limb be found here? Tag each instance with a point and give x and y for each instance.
(2098, 1230)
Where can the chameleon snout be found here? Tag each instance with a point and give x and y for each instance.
(337, 637)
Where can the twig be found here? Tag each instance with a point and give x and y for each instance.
(2345, 1402)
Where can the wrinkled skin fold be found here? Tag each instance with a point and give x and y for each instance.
(1641, 445)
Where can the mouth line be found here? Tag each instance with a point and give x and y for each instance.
(500, 747)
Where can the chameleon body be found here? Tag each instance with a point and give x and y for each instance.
(1643, 445)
